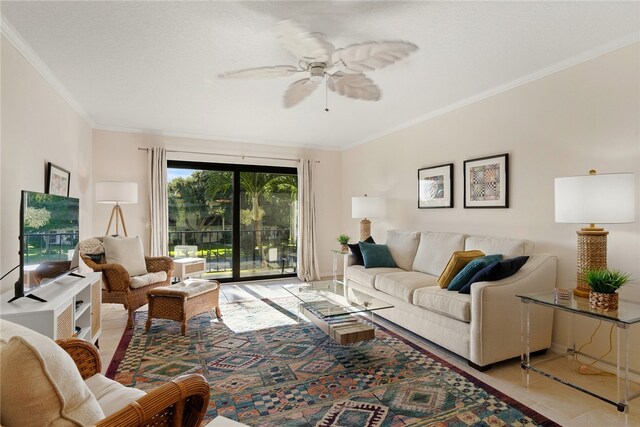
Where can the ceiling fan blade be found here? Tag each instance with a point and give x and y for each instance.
(260, 72)
(372, 55)
(302, 44)
(357, 86)
(298, 91)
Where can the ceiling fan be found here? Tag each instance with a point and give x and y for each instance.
(318, 58)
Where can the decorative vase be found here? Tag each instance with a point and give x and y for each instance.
(604, 302)
(344, 247)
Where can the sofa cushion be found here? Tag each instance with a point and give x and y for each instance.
(470, 270)
(112, 396)
(434, 251)
(39, 382)
(403, 246)
(506, 246)
(126, 251)
(357, 253)
(496, 271)
(455, 305)
(376, 256)
(456, 263)
(367, 276)
(402, 285)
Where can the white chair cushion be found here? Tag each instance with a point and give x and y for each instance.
(434, 251)
(402, 285)
(147, 279)
(505, 246)
(39, 382)
(112, 396)
(403, 246)
(126, 251)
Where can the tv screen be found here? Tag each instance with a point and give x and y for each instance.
(49, 232)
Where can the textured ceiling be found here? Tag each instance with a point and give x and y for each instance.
(152, 66)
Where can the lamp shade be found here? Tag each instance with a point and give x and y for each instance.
(367, 207)
(595, 199)
(116, 192)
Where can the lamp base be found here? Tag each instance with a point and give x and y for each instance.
(592, 254)
(365, 229)
(117, 212)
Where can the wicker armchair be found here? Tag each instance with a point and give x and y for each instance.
(116, 282)
(182, 402)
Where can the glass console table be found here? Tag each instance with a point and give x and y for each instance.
(627, 314)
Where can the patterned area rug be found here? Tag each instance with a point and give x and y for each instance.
(267, 367)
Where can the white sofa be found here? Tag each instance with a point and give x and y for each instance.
(483, 327)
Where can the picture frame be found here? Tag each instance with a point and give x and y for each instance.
(435, 187)
(57, 180)
(486, 182)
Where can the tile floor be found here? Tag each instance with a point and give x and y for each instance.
(564, 405)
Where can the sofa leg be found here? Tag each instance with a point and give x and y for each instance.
(480, 368)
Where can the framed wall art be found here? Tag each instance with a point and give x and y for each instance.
(57, 181)
(435, 187)
(486, 182)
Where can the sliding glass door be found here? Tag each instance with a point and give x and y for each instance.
(241, 219)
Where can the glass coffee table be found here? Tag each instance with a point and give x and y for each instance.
(345, 320)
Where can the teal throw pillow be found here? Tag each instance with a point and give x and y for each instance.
(376, 255)
(466, 274)
(496, 271)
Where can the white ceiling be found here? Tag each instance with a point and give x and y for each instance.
(152, 66)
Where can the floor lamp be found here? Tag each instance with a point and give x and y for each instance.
(116, 192)
(365, 208)
(594, 199)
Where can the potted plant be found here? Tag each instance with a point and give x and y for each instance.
(604, 284)
(343, 239)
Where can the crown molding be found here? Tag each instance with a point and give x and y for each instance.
(544, 72)
(208, 137)
(29, 54)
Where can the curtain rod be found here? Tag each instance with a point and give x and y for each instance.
(230, 155)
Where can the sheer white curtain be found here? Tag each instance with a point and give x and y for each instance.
(307, 258)
(159, 201)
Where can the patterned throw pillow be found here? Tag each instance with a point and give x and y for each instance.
(469, 270)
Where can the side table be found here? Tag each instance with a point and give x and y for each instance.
(628, 314)
(187, 267)
(337, 254)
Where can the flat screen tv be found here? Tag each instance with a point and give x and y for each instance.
(49, 232)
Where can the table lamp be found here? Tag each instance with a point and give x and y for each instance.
(118, 193)
(366, 207)
(591, 199)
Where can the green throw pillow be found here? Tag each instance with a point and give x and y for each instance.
(376, 255)
(470, 270)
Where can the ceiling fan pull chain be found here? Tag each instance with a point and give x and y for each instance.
(326, 95)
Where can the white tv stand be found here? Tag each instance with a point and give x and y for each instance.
(70, 302)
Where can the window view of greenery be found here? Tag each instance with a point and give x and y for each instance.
(201, 220)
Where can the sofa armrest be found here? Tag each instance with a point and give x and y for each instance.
(85, 355)
(496, 313)
(181, 402)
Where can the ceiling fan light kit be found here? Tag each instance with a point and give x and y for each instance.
(343, 68)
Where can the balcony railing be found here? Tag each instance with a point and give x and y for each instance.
(39, 247)
(278, 252)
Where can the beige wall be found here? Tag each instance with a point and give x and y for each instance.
(38, 126)
(585, 117)
(116, 157)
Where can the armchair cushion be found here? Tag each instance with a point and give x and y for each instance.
(39, 382)
(126, 251)
(112, 396)
(147, 279)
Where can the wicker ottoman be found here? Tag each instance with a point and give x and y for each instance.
(182, 301)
